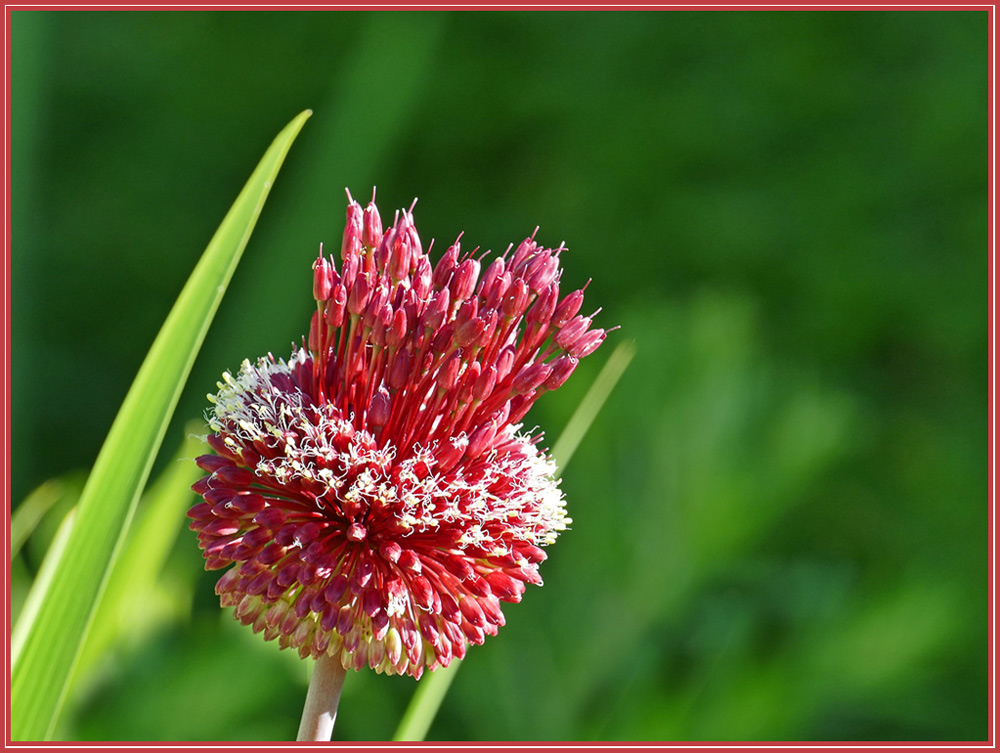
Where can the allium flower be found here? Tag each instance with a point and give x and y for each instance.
(375, 494)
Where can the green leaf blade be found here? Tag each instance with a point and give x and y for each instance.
(42, 667)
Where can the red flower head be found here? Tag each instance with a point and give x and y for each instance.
(375, 493)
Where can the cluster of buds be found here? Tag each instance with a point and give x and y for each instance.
(375, 494)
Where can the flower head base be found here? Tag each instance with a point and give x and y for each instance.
(375, 492)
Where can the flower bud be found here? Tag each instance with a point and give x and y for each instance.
(378, 410)
(351, 245)
(448, 375)
(483, 386)
(516, 299)
(532, 377)
(397, 329)
(335, 307)
(438, 309)
(544, 306)
(567, 308)
(322, 279)
(572, 331)
(399, 370)
(371, 229)
(463, 282)
(422, 279)
(562, 367)
(524, 250)
(444, 268)
(587, 344)
(361, 293)
(542, 271)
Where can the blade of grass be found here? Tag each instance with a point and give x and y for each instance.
(132, 595)
(432, 689)
(45, 573)
(30, 512)
(43, 664)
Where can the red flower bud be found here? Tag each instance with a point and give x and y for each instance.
(322, 279)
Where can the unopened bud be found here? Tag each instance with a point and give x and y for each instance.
(352, 232)
(562, 367)
(322, 279)
(493, 273)
(542, 271)
(504, 362)
(399, 370)
(516, 299)
(469, 333)
(399, 257)
(544, 306)
(568, 308)
(463, 282)
(532, 377)
(378, 410)
(371, 230)
(484, 385)
(444, 268)
(481, 440)
(359, 296)
(524, 250)
(397, 329)
(448, 375)
(587, 344)
(434, 316)
(335, 307)
(572, 331)
(423, 278)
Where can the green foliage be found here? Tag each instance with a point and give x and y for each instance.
(51, 633)
(780, 513)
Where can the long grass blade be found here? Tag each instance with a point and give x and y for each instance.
(42, 666)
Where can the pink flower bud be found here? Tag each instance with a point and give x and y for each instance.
(335, 307)
(572, 331)
(397, 329)
(437, 310)
(483, 386)
(463, 282)
(378, 410)
(423, 278)
(516, 299)
(352, 232)
(562, 367)
(532, 377)
(544, 306)
(371, 231)
(542, 271)
(399, 370)
(469, 333)
(587, 344)
(481, 440)
(448, 375)
(524, 250)
(493, 273)
(361, 293)
(567, 308)
(444, 268)
(504, 362)
(399, 257)
(322, 279)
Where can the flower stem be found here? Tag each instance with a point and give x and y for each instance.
(320, 711)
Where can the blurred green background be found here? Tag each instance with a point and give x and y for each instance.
(780, 514)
